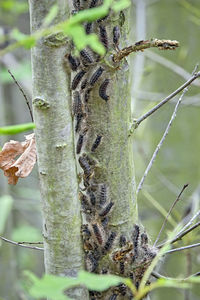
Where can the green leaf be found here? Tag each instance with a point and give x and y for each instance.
(51, 15)
(50, 286)
(14, 129)
(120, 5)
(98, 282)
(6, 203)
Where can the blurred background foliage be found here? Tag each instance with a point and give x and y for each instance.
(155, 74)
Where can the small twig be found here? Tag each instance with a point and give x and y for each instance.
(190, 222)
(170, 210)
(163, 138)
(172, 95)
(159, 276)
(25, 97)
(183, 248)
(30, 243)
(19, 244)
(180, 236)
(142, 45)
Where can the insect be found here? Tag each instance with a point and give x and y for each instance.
(77, 79)
(88, 28)
(85, 231)
(144, 239)
(93, 3)
(136, 234)
(84, 202)
(76, 4)
(97, 233)
(73, 62)
(113, 297)
(116, 36)
(86, 57)
(84, 84)
(79, 143)
(121, 267)
(122, 289)
(109, 243)
(122, 241)
(104, 222)
(119, 255)
(106, 210)
(96, 143)
(96, 76)
(92, 198)
(102, 90)
(79, 118)
(85, 165)
(103, 194)
(87, 95)
(91, 263)
(77, 104)
(103, 36)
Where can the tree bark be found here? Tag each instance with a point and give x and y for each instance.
(63, 254)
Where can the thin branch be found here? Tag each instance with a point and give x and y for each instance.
(180, 236)
(30, 243)
(21, 90)
(172, 95)
(170, 210)
(142, 45)
(162, 139)
(159, 276)
(190, 222)
(170, 65)
(183, 248)
(19, 244)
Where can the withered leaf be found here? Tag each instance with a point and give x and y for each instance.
(15, 166)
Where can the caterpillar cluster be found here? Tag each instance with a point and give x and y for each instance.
(126, 257)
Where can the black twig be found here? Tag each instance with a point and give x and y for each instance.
(23, 93)
(20, 244)
(170, 210)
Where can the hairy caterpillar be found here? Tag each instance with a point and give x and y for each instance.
(102, 90)
(96, 143)
(77, 79)
(96, 76)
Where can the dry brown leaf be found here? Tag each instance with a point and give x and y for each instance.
(14, 167)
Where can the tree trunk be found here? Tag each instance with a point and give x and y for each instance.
(63, 253)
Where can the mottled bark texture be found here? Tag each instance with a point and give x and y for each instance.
(63, 254)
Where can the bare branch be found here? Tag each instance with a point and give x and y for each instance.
(180, 236)
(30, 243)
(158, 276)
(183, 248)
(25, 97)
(151, 111)
(141, 45)
(162, 139)
(170, 210)
(19, 244)
(190, 222)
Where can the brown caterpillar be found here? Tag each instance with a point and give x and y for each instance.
(102, 90)
(91, 263)
(116, 36)
(136, 234)
(97, 233)
(96, 143)
(103, 194)
(84, 202)
(122, 241)
(87, 95)
(106, 210)
(86, 57)
(104, 222)
(84, 84)
(79, 118)
(73, 62)
(113, 297)
(76, 4)
(77, 79)
(92, 198)
(77, 104)
(96, 76)
(88, 28)
(93, 3)
(85, 165)
(79, 143)
(103, 36)
(121, 267)
(109, 243)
